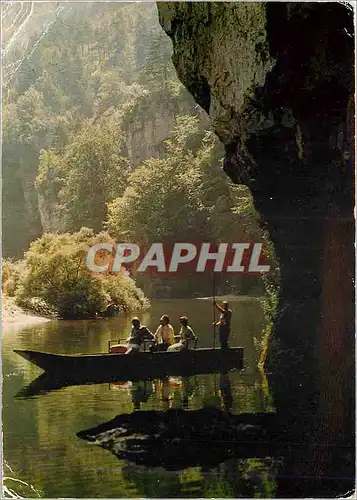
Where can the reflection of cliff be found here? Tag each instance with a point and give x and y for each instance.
(206, 438)
(176, 439)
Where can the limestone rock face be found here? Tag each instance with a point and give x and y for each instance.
(221, 54)
(277, 80)
(152, 122)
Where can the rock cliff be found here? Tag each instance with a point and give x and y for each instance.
(277, 80)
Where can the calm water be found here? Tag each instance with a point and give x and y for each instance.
(40, 442)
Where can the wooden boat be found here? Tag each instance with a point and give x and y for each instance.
(87, 368)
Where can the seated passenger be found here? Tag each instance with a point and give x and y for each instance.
(138, 335)
(186, 336)
(164, 335)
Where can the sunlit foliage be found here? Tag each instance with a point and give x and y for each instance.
(56, 272)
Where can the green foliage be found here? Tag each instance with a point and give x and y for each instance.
(50, 174)
(87, 66)
(175, 196)
(162, 199)
(98, 82)
(81, 181)
(271, 281)
(270, 300)
(184, 195)
(157, 67)
(56, 273)
(244, 205)
(96, 173)
(123, 292)
(28, 126)
(11, 274)
(269, 304)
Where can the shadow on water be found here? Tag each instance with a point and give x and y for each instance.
(176, 439)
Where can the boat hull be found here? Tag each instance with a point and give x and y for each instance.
(96, 367)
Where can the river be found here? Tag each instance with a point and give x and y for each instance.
(39, 432)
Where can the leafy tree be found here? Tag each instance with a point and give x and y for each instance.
(27, 128)
(11, 276)
(56, 272)
(157, 69)
(184, 194)
(162, 199)
(100, 79)
(91, 172)
(93, 63)
(123, 292)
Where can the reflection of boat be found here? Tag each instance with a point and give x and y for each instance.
(140, 392)
(175, 382)
(121, 386)
(226, 391)
(105, 367)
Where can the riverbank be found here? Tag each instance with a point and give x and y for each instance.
(14, 317)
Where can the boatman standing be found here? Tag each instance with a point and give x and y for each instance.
(224, 323)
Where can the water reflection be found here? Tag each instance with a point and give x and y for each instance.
(177, 392)
(226, 391)
(40, 426)
(235, 478)
(175, 439)
(212, 390)
(139, 391)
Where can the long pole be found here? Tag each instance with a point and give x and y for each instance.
(214, 309)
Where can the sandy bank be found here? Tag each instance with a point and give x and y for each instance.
(13, 317)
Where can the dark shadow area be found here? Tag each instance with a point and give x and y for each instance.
(176, 439)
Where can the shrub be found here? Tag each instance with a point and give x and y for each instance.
(11, 274)
(56, 273)
(124, 293)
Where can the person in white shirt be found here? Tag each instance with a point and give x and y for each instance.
(164, 335)
(186, 336)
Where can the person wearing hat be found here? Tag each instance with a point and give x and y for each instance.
(224, 322)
